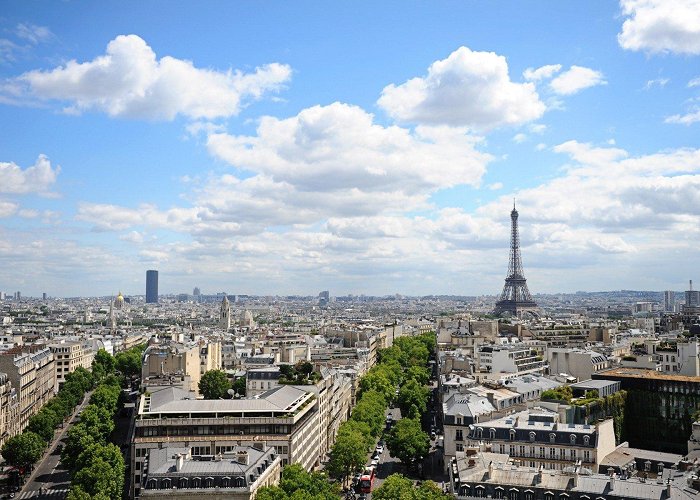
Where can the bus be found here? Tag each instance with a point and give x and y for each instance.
(367, 480)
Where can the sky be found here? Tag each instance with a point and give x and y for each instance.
(276, 148)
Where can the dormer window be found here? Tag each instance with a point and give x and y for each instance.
(512, 434)
(492, 433)
(586, 440)
(552, 437)
(532, 436)
(572, 439)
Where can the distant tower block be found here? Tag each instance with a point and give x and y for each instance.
(225, 315)
(515, 298)
(151, 287)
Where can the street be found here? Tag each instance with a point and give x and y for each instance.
(49, 476)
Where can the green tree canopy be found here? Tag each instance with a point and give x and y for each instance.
(370, 410)
(44, 423)
(377, 380)
(128, 363)
(100, 478)
(413, 394)
(418, 373)
(108, 453)
(98, 421)
(23, 449)
(239, 385)
(214, 385)
(348, 454)
(407, 441)
(78, 438)
(297, 484)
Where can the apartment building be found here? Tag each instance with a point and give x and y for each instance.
(579, 363)
(537, 438)
(9, 409)
(236, 474)
(496, 362)
(286, 418)
(170, 357)
(33, 377)
(69, 355)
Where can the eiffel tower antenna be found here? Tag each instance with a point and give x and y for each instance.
(515, 297)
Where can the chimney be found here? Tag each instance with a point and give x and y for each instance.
(489, 475)
(668, 488)
(538, 477)
(179, 461)
(242, 457)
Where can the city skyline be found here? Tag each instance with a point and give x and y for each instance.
(370, 149)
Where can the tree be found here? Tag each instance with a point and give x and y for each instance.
(44, 423)
(129, 362)
(239, 386)
(413, 394)
(214, 385)
(407, 441)
(23, 449)
(109, 454)
(98, 421)
(376, 380)
(102, 365)
(99, 478)
(418, 373)
(106, 396)
(315, 485)
(370, 410)
(395, 487)
(347, 454)
(78, 439)
(271, 493)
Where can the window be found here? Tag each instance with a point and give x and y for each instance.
(492, 433)
(529, 495)
(572, 439)
(239, 482)
(511, 450)
(152, 483)
(586, 440)
(479, 432)
(513, 494)
(552, 437)
(165, 483)
(586, 456)
(532, 436)
(572, 454)
(460, 447)
(552, 453)
(562, 454)
(541, 451)
(549, 496)
(522, 451)
(512, 434)
(458, 435)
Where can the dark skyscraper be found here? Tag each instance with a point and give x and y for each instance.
(151, 287)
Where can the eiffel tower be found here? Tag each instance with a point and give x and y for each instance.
(515, 298)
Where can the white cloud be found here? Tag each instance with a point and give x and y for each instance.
(541, 146)
(468, 88)
(495, 186)
(537, 128)
(661, 26)
(339, 149)
(7, 208)
(541, 73)
(38, 178)
(658, 82)
(133, 237)
(695, 82)
(686, 119)
(519, 138)
(575, 79)
(129, 81)
(32, 33)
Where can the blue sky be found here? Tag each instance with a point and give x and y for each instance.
(364, 147)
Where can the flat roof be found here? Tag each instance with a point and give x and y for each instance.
(644, 373)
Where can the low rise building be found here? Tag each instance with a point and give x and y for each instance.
(236, 474)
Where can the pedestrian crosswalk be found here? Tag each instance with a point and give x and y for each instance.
(48, 493)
